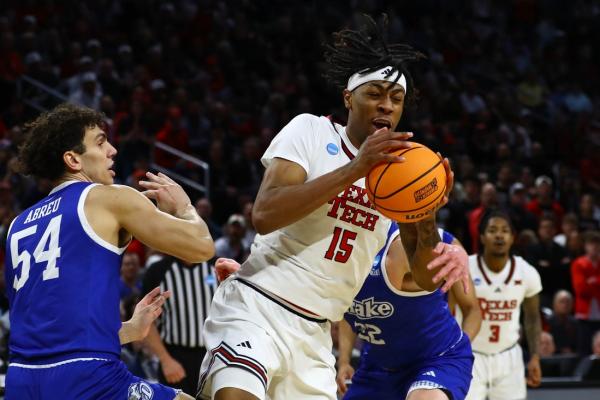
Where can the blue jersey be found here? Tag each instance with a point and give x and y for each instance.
(400, 328)
(62, 282)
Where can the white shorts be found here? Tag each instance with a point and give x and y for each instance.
(265, 348)
(499, 376)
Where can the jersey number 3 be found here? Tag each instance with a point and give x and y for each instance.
(47, 250)
(345, 248)
(495, 333)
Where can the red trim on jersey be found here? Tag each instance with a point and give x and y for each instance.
(489, 282)
(510, 273)
(512, 270)
(344, 146)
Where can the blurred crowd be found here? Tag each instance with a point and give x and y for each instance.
(509, 92)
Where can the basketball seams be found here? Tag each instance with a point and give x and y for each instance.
(420, 208)
(402, 152)
(408, 184)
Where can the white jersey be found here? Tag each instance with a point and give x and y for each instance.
(319, 262)
(500, 297)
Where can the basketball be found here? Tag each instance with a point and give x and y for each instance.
(408, 191)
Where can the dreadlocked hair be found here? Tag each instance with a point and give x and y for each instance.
(366, 51)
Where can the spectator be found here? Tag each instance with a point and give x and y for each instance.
(517, 210)
(569, 224)
(547, 346)
(174, 134)
(131, 284)
(589, 214)
(489, 201)
(551, 260)
(544, 203)
(231, 244)
(89, 93)
(585, 271)
(204, 209)
(563, 325)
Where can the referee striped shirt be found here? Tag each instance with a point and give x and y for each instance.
(192, 288)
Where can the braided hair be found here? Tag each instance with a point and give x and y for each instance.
(365, 51)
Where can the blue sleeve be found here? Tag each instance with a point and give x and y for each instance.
(447, 237)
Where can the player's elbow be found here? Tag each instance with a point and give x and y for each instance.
(425, 281)
(200, 251)
(262, 223)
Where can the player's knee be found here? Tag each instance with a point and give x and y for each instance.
(234, 394)
(427, 394)
(183, 396)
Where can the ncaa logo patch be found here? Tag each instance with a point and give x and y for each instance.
(332, 149)
(140, 391)
(477, 281)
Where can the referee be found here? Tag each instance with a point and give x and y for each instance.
(176, 339)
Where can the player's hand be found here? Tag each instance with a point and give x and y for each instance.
(376, 149)
(169, 195)
(172, 370)
(344, 374)
(534, 372)
(147, 310)
(225, 267)
(449, 180)
(454, 263)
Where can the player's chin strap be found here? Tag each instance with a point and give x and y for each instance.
(382, 74)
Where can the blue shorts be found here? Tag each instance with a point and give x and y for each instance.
(81, 380)
(450, 372)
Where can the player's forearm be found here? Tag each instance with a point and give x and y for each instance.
(471, 321)
(346, 341)
(276, 207)
(533, 330)
(154, 343)
(427, 238)
(202, 247)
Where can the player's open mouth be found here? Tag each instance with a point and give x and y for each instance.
(382, 123)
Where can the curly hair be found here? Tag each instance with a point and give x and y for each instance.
(53, 133)
(366, 51)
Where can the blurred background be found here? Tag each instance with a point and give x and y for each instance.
(198, 88)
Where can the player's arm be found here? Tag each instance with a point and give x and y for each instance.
(172, 369)
(285, 197)
(469, 307)
(172, 227)
(346, 341)
(144, 315)
(432, 262)
(533, 329)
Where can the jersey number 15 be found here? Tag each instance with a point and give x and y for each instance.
(40, 254)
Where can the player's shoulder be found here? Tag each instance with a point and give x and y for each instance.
(313, 122)
(526, 268)
(472, 260)
(114, 195)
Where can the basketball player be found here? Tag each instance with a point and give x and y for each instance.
(504, 283)
(63, 256)
(413, 348)
(268, 329)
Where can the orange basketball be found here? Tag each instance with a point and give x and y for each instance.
(408, 191)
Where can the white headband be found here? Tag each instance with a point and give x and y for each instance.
(380, 75)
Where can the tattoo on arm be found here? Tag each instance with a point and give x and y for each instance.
(533, 323)
(428, 235)
(408, 235)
